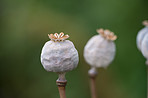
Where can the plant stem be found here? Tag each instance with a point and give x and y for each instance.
(93, 74)
(147, 76)
(61, 83)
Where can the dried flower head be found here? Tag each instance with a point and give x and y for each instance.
(145, 23)
(59, 56)
(58, 37)
(107, 34)
(141, 34)
(99, 50)
(144, 47)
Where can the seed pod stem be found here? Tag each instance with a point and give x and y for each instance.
(61, 83)
(147, 82)
(93, 74)
(146, 62)
(62, 91)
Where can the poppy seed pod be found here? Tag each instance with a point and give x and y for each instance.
(144, 47)
(141, 34)
(100, 49)
(59, 55)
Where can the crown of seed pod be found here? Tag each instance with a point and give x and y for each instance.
(100, 49)
(141, 34)
(59, 55)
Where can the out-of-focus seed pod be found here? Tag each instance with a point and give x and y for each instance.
(99, 52)
(141, 34)
(100, 49)
(144, 47)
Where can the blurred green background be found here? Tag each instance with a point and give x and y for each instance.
(24, 25)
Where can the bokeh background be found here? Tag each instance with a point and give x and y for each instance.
(24, 25)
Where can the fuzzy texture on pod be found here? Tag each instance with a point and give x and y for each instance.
(59, 55)
(144, 47)
(100, 49)
(141, 34)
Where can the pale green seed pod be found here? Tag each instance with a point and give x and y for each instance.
(100, 49)
(144, 47)
(141, 34)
